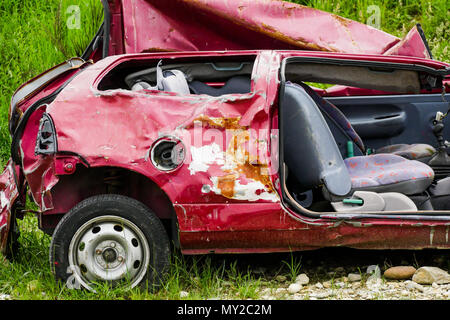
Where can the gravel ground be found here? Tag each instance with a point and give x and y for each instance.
(342, 289)
(346, 274)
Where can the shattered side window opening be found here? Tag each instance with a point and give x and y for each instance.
(210, 76)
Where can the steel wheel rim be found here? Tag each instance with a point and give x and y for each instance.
(109, 248)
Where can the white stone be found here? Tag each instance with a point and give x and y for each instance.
(354, 277)
(294, 288)
(318, 285)
(183, 294)
(404, 293)
(428, 275)
(302, 279)
(413, 285)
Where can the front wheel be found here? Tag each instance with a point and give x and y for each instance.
(110, 238)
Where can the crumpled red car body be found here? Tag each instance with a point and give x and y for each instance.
(105, 134)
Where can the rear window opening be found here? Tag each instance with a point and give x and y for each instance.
(215, 77)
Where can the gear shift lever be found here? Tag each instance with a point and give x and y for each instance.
(441, 158)
(438, 129)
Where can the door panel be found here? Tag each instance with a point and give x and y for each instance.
(387, 120)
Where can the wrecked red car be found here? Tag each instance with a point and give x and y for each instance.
(234, 151)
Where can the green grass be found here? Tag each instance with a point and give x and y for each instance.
(34, 37)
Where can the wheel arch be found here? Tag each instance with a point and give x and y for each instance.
(88, 182)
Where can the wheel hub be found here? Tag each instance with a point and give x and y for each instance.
(109, 255)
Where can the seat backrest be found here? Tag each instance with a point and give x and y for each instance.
(335, 118)
(310, 150)
(237, 84)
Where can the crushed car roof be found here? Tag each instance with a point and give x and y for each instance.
(206, 25)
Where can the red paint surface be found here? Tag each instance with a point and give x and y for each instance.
(205, 25)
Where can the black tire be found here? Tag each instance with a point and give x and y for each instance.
(126, 209)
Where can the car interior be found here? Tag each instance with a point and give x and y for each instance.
(340, 173)
(357, 154)
(214, 78)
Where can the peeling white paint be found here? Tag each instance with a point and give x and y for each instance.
(252, 191)
(204, 157)
(4, 202)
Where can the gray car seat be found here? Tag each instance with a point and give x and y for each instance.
(313, 158)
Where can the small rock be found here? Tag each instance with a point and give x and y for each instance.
(5, 297)
(327, 284)
(435, 285)
(404, 293)
(183, 294)
(294, 288)
(428, 275)
(400, 273)
(411, 285)
(354, 277)
(280, 278)
(302, 279)
(356, 285)
(280, 290)
(318, 285)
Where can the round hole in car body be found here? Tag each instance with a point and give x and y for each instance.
(168, 153)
